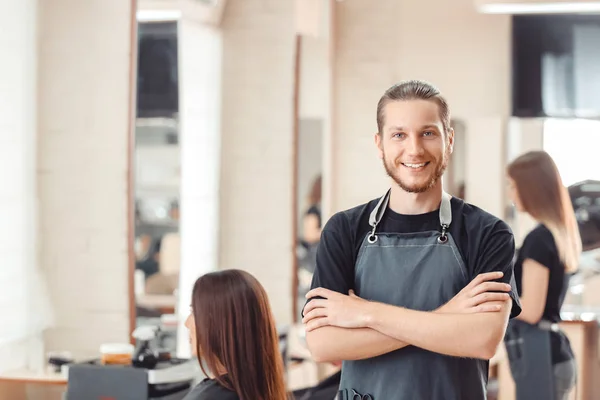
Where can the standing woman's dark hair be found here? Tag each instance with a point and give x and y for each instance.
(233, 333)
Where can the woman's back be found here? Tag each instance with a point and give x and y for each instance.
(539, 245)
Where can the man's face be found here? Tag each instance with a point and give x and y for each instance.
(412, 144)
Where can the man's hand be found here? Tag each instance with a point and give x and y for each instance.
(350, 311)
(480, 295)
(335, 309)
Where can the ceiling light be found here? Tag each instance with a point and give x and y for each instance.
(158, 15)
(540, 8)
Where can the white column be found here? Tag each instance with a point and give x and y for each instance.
(200, 117)
(21, 325)
(485, 163)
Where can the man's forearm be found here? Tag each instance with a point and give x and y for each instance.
(331, 343)
(463, 335)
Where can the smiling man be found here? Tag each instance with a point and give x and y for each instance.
(413, 291)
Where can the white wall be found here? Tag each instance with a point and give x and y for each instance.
(256, 214)
(84, 101)
(200, 50)
(464, 53)
(314, 61)
(18, 241)
(485, 162)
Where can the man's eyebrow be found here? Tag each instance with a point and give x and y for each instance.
(395, 128)
(401, 128)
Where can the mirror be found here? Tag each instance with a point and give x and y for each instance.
(157, 181)
(309, 211)
(455, 176)
(311, 122)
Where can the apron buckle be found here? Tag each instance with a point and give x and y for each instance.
(372, 238)
(444, 236)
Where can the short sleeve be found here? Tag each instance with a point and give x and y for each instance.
(497, 253)
(539, 246)
(335, 257)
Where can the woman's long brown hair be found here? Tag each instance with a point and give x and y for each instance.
(236, 336)
(546, 199)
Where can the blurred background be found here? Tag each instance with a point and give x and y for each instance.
(144, 143)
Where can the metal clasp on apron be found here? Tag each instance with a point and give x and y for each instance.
(379, 210)
(444, 236)
(372, 236)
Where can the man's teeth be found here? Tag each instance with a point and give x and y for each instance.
(415, 165)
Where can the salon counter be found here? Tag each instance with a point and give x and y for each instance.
(29, 385)
(584, 340)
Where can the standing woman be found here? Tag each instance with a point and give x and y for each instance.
(233, 334)
(541, 359)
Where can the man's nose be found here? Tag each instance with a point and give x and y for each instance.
(414, 145)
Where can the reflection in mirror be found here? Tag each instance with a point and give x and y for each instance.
(456, 174)
(157, 181)
(310, 226)
(311, 120)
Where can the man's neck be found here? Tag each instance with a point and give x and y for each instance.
(407, 203)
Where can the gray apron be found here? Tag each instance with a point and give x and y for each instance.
(530, 358)
(420, 271)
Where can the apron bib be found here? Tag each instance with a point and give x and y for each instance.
(420, 271)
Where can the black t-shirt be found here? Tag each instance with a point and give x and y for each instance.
(539, 245)
(210, 389)
(485, 242)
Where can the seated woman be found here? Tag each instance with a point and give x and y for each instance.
(233, 334)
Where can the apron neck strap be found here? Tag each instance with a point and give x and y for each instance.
(445, 210)
(379, 210)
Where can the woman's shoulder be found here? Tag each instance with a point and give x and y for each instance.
(540, 236)
(539, 245)
(210, 389)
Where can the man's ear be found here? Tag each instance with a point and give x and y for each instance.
(451, 139)
(379, 144)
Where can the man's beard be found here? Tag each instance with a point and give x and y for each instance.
(440, 167)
